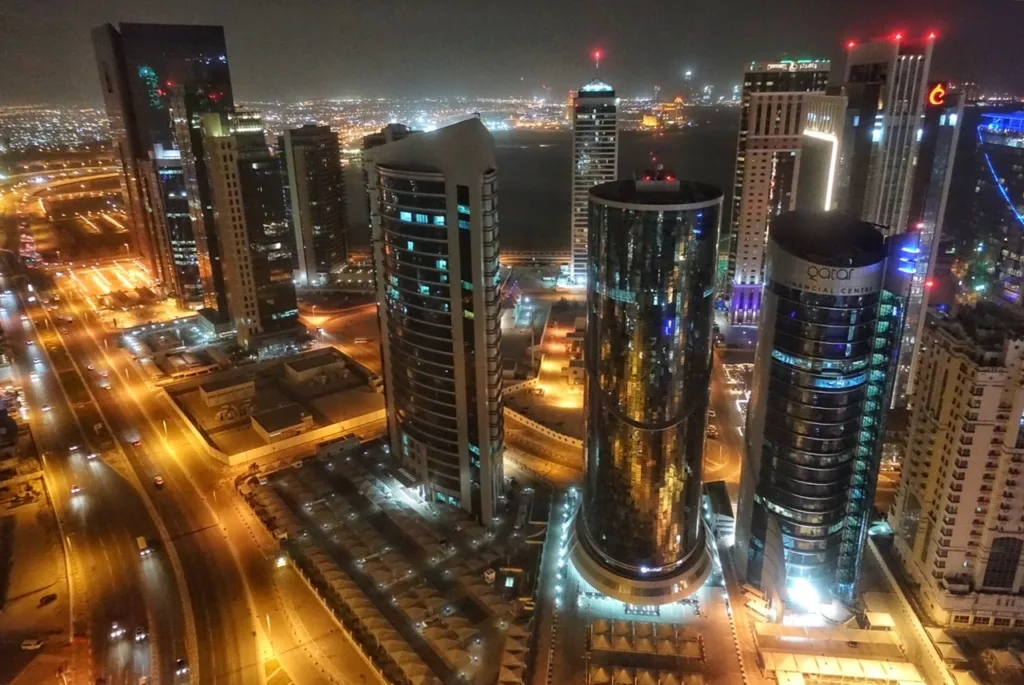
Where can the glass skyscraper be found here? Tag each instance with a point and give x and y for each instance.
(831, 320)
(434, 217)
(595, 156)
(139, 67)
(653, 242)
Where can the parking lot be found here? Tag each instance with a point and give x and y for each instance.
(428, 593)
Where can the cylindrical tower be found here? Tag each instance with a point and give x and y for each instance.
(640, 537)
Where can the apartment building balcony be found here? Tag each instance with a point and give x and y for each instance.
(956, 585)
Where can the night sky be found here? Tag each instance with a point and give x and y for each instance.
(293, 49)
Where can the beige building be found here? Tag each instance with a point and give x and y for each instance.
(958, 517)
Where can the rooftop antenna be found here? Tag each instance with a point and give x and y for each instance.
(597, 58)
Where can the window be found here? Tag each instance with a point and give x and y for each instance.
(463, 209)
(442, 264)
(405, 216)
(410, 245)
(422, 219)
(961, 619)
(1002, 563)
(463, 224)
(439, 220)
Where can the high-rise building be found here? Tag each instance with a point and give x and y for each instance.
(316, 191)
(639, 534)
(252, 226)
(767, 160)
(187, 108)
(570, 105)
(139, 65)
(595, 158)
(997, 212)
(434, 216)
(164, 179)
(886, 85)
(939, 135)
(831, 320)
(958, 517)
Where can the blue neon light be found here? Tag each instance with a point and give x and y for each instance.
(1016, 122)
(597, 86)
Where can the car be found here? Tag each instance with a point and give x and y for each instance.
(262, 480)
(33, 376)
(181, 667)
(24, 317)
(92, 456)
(158, 481)
(116, 631)
(48, 599)
(46, 407)
(711, 413)
(31, 644)
(136, 442)
(37, 360)
(140, 634)
(91, 367)
(74, 448)
(104, 373)
(76, 489)
(31, 342)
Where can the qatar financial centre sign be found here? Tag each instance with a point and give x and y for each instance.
(799, 274)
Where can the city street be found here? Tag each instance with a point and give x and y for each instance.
(101, 524)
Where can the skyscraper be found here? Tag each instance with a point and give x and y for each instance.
(831, 317)
(434, 217)
(997, 212)
(316, 192)
(595, 156)
(939, 134)
(958, 517)
(252, 227)
(639, 534)
(138, 65)
(886, 83)
(175, 243)
(187, 108)
(767, 160)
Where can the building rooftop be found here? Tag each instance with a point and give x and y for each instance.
(665, 190)
(282, 418)
(223, 383)
(805, 64)
(597, 87)
(828, 238)
(984, 330)
(315, 361)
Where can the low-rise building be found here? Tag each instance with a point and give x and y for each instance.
(227, 390)
(282, 423)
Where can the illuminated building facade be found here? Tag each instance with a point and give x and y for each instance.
(570, 106)
(254, 234)
(767, 162)
(886, 86)
(940, 133)
(831, 320)
(316, 192)
(139, 65)
(434, 217)
(595, 157)
(639, 534)
(175, 242)
(997, 213)
(958, 517)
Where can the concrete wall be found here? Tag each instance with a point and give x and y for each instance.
(533, 425)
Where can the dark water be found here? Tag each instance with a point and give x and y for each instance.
(534, 173)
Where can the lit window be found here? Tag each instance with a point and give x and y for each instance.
(876, 135)
(439, 220)
(424, 289)
(952, 119)
(410, 245)
(463, 224)
(856, 120)
(463, 209)
(466, 285)
(405, 216)
(442, 263)
(422, 219)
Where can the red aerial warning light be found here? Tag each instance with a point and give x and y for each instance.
(851, 45)
(932, 35)
(899, 35)
(929, 284)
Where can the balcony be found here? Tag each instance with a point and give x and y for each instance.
(957, 585)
